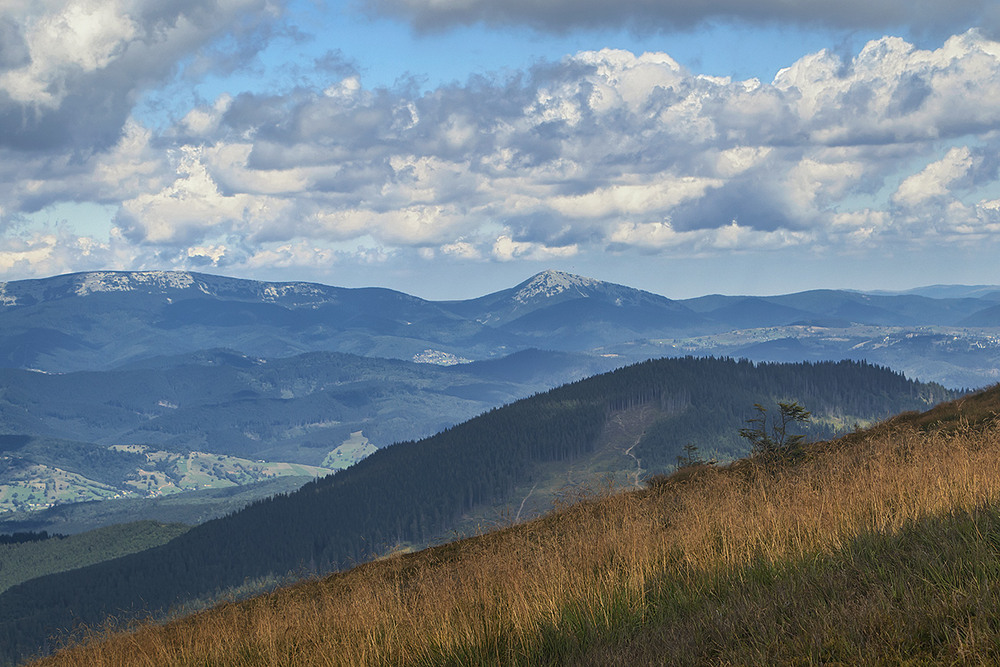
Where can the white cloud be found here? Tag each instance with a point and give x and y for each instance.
(299, 254)
(461, 249)
(506, 249)
(83, 36)
(657, 235)
(80, 64)
(192, 207)
(734, 161)
(856, 228)
(55, 250)
(733, 236)
(605, 150)
(934, 180)
(213, 254)
(655, 198)
(131, 166)
(813, 184)
(608, 149)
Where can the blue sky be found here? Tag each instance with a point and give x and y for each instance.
(449, 148)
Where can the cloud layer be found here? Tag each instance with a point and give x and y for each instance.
(652, 15)
(70, 72)
(604, 152)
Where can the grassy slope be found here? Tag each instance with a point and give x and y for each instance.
(21, 562)
(879, 547)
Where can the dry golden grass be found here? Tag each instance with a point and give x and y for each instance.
(599, 577)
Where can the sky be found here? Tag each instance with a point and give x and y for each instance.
(450, 148)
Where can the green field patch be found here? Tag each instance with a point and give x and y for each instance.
(34, 486)
(349, 452)
(26, 486)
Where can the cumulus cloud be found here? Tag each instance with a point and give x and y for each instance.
(605, 151)
(648, 15)
(55, 250)
(959, 171)
(506, 249)
(183, 211)
(71, 70)
(936, 179)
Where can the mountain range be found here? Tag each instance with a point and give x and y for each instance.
(301, 374)
(130, 396)
(107, 320)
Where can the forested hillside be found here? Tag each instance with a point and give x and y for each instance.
(415, 492)
(288, 409)
(878, 548)
(27, 559)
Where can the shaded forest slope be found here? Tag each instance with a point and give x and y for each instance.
(878, 547)
(415, 493)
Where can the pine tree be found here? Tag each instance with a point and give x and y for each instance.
(777, 440)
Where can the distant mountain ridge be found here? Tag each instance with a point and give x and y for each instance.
(551, 288)
(948, 291)
(104, 320)
(31, 292)
(97, 321)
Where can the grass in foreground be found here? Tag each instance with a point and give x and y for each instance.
(882, 547)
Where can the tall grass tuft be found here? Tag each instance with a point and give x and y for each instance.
(882, 547)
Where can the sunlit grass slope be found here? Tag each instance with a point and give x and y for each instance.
(883, 546)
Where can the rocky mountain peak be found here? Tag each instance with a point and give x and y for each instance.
(551, 283)
(114, 281)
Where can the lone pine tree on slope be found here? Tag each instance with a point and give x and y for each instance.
(777, 440)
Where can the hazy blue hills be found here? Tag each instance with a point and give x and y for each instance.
(102, 321)
(897, 310)
(988, 317)
(294, 409)
(308, 374)
(119, 443)
(990, 292)
(747, 312)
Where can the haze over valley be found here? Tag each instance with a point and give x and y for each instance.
(186, 382)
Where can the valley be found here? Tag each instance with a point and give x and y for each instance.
(877, 547)
(301, 374)
(345, 425)
(523, 459)
(30, 487)
(301, 379)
